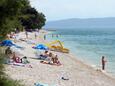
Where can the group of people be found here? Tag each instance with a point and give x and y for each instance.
(46, 57)
(55, 35)
(35, 34)
(49, 58)
(12, 35)
(15, 58)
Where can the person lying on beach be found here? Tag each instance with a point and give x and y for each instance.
(51, 60)
(44, 55)
(36, 34)
(26, 33)
(55, 60)
(48, 60)
(8, 51)
(12, 35)
(16, 59)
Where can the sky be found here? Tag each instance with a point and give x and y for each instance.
(65, 9)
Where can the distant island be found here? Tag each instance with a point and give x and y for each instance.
(82, 23)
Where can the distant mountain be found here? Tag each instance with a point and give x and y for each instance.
(82, 23)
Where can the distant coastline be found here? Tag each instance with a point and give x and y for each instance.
(51, 29)
(100, 23)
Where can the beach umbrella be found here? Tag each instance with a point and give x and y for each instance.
(41, 46)
(6, 43)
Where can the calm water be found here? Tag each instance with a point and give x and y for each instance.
(90, 45)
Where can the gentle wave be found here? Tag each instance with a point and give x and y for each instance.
(90, 45)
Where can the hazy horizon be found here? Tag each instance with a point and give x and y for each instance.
(78, 18)
(65, 9)
(82, 23)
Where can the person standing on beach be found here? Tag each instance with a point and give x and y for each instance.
(103, 62)
(44, 37)
(36, 34)
(26, 34)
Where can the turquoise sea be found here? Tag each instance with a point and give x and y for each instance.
(89, 45)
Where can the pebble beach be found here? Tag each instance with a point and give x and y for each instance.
(76, 72)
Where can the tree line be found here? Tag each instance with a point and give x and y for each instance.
(19, 14)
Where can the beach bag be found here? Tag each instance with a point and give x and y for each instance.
(24, 60)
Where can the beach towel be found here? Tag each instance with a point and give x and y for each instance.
(45, 62)
(40, 84)
(18, 64)
(42, 57)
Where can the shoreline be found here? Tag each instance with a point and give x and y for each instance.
(94, 66)
(79, 67)
(90, 66)
(73, 56)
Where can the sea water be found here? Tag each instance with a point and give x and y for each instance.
(89, 45)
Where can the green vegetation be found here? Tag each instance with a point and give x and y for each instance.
(16, 14)
(4, 79)
(33, 19)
